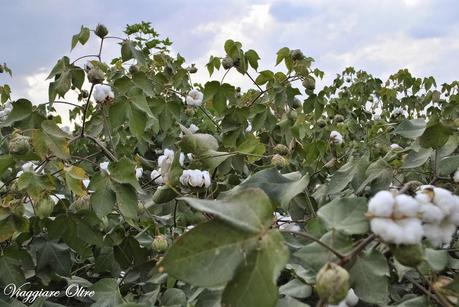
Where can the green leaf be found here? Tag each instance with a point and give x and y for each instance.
(342, 177)
(416, 159)
(123, 171)
(53, 257)
(253, 147)
(249, 209)
(73, 178)
(282, 54)
(56, 139)
(106, 293)
(254, 281)
(346, 215)
(411, 128)
(264, 76)
(208, 254)
(295, 288)
(435, 136)
(103, 199)
(22, 108)
(129, 51)
(437, 259)
(252, 56)
(369, 277)
(280, 189)
(10, 272)
(78, 76)
(6, 161)
(448, 165)
(141, 80)
(126, 197)
(198, 143)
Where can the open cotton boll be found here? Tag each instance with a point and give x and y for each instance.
(336, 137)
(454, 215)
(194, 98)
(104, 167)
(28, 167)
(456, 176)
(386, 229)
(395, 147)
(182, 159)
(86, 183)
(412, 231)
(195, 179)
(206, 178)
(381, 204)
(193, 128)
(439, 234)
(444, 199)
(431, 213)
(405, 206)
(351, 298)
(102, 92)
(138, 172)
(156, 177)
(57, 197)
(189, 156)
(185, 177)
(249, 127)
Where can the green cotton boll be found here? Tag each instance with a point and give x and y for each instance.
(101, 30)
(19, 145)
(44, 207)
(332, 283)
(408, 255)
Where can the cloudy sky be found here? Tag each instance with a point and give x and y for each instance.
(380, 36)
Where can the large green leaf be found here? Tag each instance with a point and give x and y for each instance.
(123, 171)
(198, 143)
(126, 197)
(249, 209)
(10, 272)
(22, 109)
(342, 177)
(103, 199)
(53, 257)
(369, 277)
(208, 254)
(346, 215)
(435, 136)
(417, 158)
(448, 165)
(411, 128)
(279, 188)
(254, 282)
(106, 293)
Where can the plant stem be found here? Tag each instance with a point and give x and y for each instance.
(210, 117)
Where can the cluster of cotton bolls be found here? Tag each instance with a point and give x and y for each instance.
(336, 137)
(5, 111)
(285, 222)
(350, 300)
(194, 98)
(103, 93)
(195, 178)
(401, 219)
(164, 163)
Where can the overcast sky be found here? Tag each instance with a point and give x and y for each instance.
(380, 36)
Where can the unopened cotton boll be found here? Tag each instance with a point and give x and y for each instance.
(156, 177)
(194, 98)
(405, 206)
(138, 172)
(381, 204)
(456, 176)
(104, 167)
(336, 137)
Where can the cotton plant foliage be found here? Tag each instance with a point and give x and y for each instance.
(165, 192)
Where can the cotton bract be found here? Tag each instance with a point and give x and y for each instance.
(194, 98)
